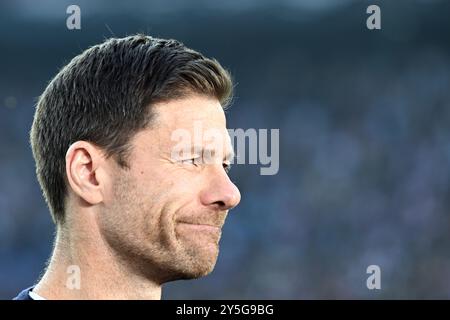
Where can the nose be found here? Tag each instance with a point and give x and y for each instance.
(220, 191)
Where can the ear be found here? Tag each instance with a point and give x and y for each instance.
(83, 161)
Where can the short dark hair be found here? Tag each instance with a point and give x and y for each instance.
(104, 96)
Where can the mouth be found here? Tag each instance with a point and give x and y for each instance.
(201, 227)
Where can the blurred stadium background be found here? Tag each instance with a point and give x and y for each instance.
(364, 119)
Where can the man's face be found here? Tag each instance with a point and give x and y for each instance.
(163, 216)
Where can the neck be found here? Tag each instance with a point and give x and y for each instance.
(83, 266)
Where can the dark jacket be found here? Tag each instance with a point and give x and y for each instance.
(24, 295)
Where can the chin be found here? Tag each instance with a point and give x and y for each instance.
(194, 266)
(196, 273)
(189, 274)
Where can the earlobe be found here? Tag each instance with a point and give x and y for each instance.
(82, 162)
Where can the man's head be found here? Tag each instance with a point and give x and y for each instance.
(103, 141)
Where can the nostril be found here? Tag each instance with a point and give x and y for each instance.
(220, 204)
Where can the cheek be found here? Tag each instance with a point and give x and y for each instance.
(128, 203)
(164, 195)
(156, 210)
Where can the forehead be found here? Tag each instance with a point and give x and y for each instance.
(185, 113)
(200, 120)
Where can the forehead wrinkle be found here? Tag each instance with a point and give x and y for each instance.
(178, 112)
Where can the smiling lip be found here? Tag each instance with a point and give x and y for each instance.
(201, 227)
